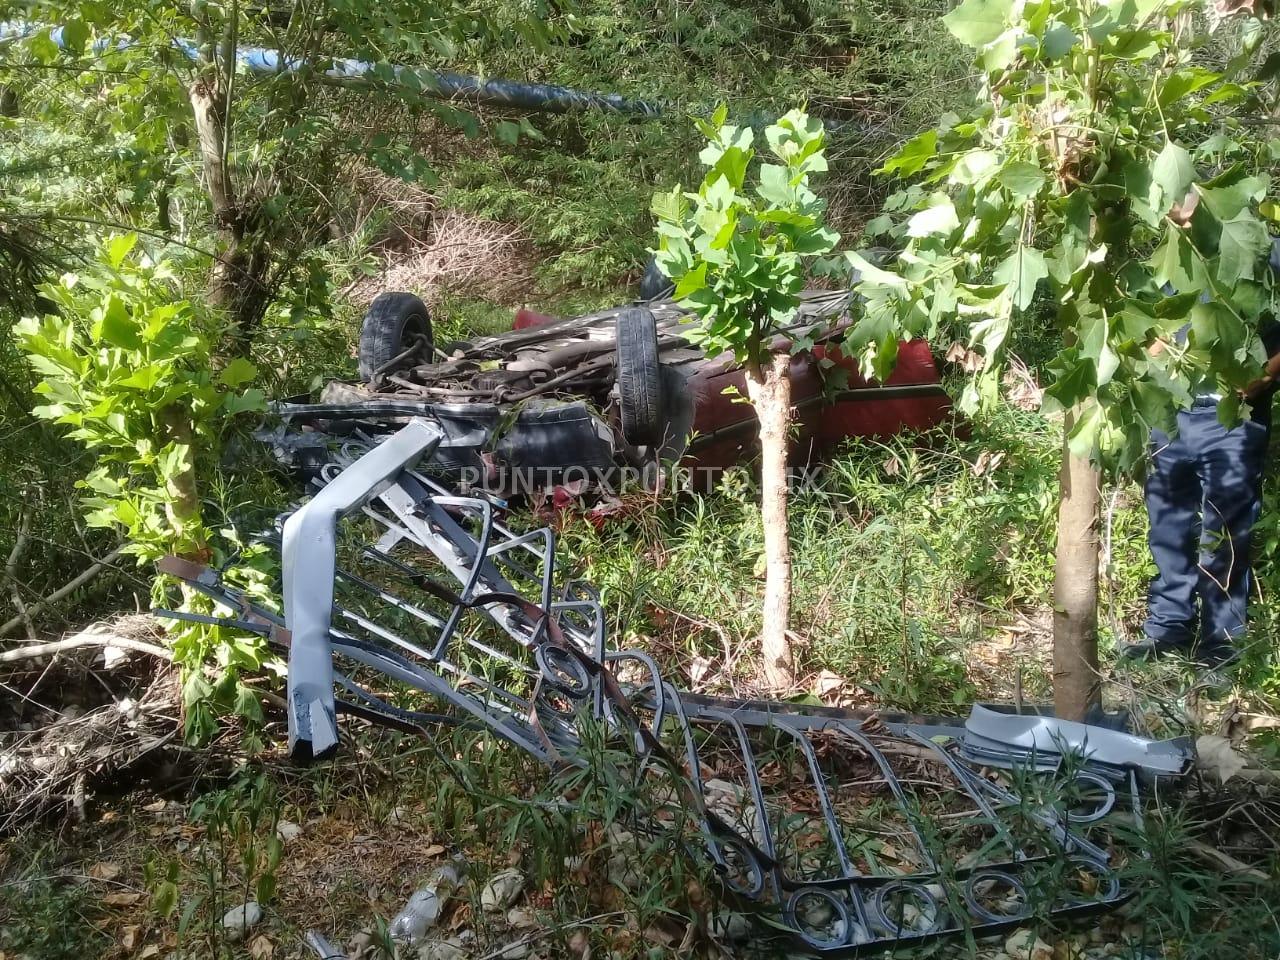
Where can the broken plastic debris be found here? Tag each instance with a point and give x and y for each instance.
(423, 910)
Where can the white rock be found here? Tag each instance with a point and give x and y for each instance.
(623, 872)
(287, 830)
(517, 951)
(521, 919)
(451, 949)
(734, 927)
(723, 788)
(1025, 945)
(502, 890)
(360, 944)
(618, 836)
(238, 920)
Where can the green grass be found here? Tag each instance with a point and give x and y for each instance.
(46, 913)
(904, 554)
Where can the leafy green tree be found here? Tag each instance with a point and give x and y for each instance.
(140, 118)
(184, 135)
(738, 254)
(1057, 203)
(125, 369)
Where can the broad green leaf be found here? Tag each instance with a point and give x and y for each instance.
(114, 324)
(1153, 404)
(670, 205)
(691, 282)
(1226, 195)
(1058, 41)
(42, 47)
(508, 132)
(1133, 13)
(144, 377)
(1213, 325)
(1020, 272)
(915, 153)
(238, 371)
(732, 165)
(816, 240)
(1225, 93)
(775, 185)
(1022, 178)
(1241, 246)
(75, 35)
(1134, 44)
(938, 219)
(976, 23)
(1083, 439)
(974, 167)
(1094, 345)
(1183, 82)
(1172, 173)
(1176, 263)
(250, 401)
(159, 319)
(1001, 52)
(1176, 306)
(989, 334)
(119, 247)
(869, 273)
(1036, 13)
(884, 223)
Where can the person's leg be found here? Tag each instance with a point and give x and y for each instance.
(1173, 497)
(1231, 465)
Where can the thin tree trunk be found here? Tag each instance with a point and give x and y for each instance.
(211, 135)
(238, 282)
(1075, 586)
(770, 390)
(183, 505)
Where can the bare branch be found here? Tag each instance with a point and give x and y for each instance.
(28, 651)
(64, 590)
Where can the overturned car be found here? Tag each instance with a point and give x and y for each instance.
(556, 400)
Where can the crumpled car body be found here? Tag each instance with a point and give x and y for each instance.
(544, 404)
(405, 603)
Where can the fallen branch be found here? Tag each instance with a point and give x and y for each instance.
(1210, 855)
(27, 651)
(547, 931)
(71, 585)
(1224, 861)
(10, 568)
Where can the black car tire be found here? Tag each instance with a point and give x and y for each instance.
(385, 331)
(639, 377)
(654, 284)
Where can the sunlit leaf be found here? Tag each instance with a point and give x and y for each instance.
(976, 23)
(1021, 271)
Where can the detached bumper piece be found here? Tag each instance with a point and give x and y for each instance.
(846, 832)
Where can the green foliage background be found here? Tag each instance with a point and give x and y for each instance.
(922, 565)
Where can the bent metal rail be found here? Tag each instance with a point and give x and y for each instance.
(854, 837)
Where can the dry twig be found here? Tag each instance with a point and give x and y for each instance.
(10, 568)
(64, 590)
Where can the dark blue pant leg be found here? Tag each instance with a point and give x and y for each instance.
(1231, 464)
(1174, 497)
